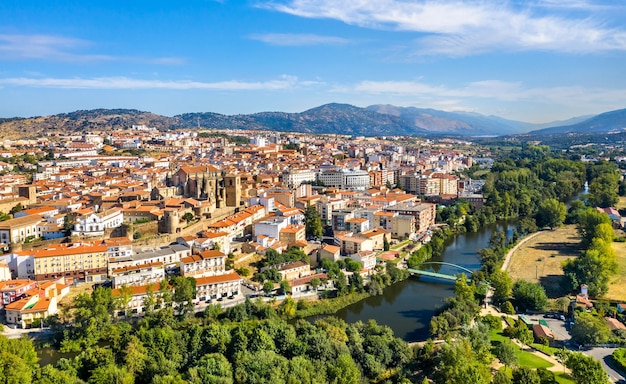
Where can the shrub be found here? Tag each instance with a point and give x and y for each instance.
(507, 308)
(493, 322)
(619, 357)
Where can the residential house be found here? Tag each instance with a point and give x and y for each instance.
(351, 244)
(293, 235)
(330, 252)
(15, 231)
(13, 290)
(366, 258)
(614, 324)
(207, 263)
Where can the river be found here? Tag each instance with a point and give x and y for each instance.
(408, 306)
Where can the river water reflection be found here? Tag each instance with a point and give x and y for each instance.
(408, 306)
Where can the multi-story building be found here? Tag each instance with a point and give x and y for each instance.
(326, 207)
(86, 261)
(294, 177)
(169, 255)
(207, 263)
(424, 213)
(293, 234)
(135, 275)
(13, 290)
(345, 179)
(271, 227)
(209, 288)
(351, 244)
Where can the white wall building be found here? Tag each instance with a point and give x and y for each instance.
(345, 179)
(94, 224)
(294, 177)
(271, 228)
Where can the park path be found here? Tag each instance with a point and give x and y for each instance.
(556, 365)
(507, 258)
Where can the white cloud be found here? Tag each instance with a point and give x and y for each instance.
(283, 82)
(298, 39)
(459, 28)
(64, 49)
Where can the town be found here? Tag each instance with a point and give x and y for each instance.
(129, 208)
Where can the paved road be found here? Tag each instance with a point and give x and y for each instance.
(604, 356)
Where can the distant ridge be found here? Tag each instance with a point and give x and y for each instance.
(613, 121)
(375, 120)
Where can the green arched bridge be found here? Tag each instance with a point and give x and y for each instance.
(440, 275)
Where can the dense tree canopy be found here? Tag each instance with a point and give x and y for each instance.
(529, 296)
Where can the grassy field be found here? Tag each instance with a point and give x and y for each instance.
(621, 203)
(617, 286)
(540, 258)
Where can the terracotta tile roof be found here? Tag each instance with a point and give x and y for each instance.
(208, 280)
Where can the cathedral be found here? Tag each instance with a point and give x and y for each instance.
(208, 184)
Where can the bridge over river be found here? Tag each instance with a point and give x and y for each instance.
(440, 275)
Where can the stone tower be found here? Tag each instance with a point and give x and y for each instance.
(232, 183)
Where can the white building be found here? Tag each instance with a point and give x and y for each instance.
(294, 177)
(345, 179)
(136, 275)
(271, 228)
(94, 224)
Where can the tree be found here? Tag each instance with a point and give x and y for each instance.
(529, 296)
(526, 375)
(563, 303)
(588, 221)
(125, 295)
(594, 267)
(268, 287)
(386, 246)
(184, 294)
(315, 283)
(502, 284)
(551, 213)
(211, 368)
(586, 369)
(501, 378)
(603, 190)
(506, 352)
(589, 329)
(188, 216)
(313, 222)
(344, 371)
(4, 216)
(68, 223)
(285, 288)
(17, 208)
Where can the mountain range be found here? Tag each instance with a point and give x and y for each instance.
(375, 120)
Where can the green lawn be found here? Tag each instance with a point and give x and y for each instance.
(563, 378)
(524, 358)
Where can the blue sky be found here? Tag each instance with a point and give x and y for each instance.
(535, 61)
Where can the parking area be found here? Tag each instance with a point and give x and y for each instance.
(558, 327)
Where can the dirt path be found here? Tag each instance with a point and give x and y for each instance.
(509, 254)
(539, 258)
